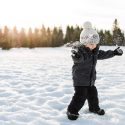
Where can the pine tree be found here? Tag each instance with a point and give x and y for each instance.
(14, 36)
(76, 33)
(67, 36)
(30, 41)
(36, 37)
(54, 37)
(6, 42)
(102, 37)
(118, 36)
(49, 37)
(60, 37)
(43, 37)
(23, 38)
(108, 38)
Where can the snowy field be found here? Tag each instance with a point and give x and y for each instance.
(36, 87)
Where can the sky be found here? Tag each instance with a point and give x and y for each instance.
(60, 13)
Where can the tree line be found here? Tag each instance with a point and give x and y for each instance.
(55, 37)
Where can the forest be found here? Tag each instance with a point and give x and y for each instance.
(55, 37)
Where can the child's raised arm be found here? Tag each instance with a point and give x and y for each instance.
(110, 53)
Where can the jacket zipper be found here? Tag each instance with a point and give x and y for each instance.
(92, 69)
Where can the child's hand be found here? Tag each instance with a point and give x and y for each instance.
(118, 51)
(75, 53)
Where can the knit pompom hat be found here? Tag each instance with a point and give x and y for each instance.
(89, 35)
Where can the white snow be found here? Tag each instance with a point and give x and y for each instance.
(36, 88)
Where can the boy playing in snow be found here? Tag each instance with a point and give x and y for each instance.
(85, 57)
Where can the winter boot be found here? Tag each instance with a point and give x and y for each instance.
(99, 112)
(72, 116)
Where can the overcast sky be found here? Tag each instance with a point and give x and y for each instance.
(31, 13)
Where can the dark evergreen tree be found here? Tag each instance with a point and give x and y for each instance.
(118, 36)
(43, 37)
(54, 37)
(108, 38)
(30, 41)
(76, 33)
(67, 36)
(49, 37)
(60, 37)
(102, 37)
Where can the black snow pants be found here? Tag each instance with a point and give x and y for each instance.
(81, 94)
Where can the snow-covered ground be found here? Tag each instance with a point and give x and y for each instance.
(36, 87)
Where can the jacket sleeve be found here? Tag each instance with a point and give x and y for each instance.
(105, 54)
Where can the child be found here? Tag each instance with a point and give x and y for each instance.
(85, 56)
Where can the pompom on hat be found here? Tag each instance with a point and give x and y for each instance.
(87, 25)
(89, 35)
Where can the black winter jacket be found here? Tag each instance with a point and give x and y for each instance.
(84, 68)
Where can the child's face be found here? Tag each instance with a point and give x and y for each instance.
(91, 46)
